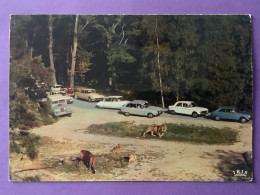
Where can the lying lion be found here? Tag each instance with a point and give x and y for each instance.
(117, 149)
(131, 157)
(158, 129)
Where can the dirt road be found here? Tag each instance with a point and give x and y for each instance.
(157, 160)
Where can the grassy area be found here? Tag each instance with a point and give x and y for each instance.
(175, 132)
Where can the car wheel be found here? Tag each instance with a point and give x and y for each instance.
(89, 99)
(172, 112)
(195, 115)
(69, 114)
(150, 115)
(242, 120)
(217, 118)
(126, 113)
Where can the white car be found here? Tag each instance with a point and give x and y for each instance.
(114, 102)
(56, 88)
(187, 108)
(69, 99)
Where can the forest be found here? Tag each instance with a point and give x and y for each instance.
(160, 58)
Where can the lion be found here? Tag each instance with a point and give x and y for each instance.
(131, 157)
(88, 160)
(158, 129)
(117, 149)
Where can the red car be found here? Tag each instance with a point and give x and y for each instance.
(69, 91)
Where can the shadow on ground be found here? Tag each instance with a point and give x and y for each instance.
(230, 164)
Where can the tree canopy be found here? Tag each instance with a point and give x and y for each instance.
(204, 58)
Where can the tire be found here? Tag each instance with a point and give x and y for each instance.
(89, 99)
(217, 118)
(126, 113)
(69, 114)
(195, 115)
(242, 120)
(150, 115)
(172, 112)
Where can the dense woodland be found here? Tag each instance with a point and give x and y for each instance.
(162, 59)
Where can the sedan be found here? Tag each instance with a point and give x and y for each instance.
(141, 108)
(114, 102)
(230, 113)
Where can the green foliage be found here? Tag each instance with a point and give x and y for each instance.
(25, 143)
(175, 132)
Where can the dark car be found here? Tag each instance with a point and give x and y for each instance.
(231, 113)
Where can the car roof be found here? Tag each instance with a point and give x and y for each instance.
(56, 97)
(185, 102)
(139, 101)
(114, 96)
(228, 107)
(87, 89)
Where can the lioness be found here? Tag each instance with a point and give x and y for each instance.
(117, 149)
(88, 160)
(158, 129)
(131, 157)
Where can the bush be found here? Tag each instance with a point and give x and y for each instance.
(25, 143)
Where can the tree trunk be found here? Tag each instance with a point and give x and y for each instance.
(159, 66)
(74, 52)
(51, 51)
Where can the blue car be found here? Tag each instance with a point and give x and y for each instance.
(230, 113)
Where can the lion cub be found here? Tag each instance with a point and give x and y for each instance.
(158, 129)
(117, 149)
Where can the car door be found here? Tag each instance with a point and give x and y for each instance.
(141, 110)
(223, 113)
(185, 109)
(178, 108)
(231, 114)
(107, 103)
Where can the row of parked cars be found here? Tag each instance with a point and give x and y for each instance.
(143, 108)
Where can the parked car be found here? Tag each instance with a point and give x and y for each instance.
(89, 95)
(231, 113)
(68, 91)
(187, 108)
(69, 99)
(57, 88)
(114, 102)
(59, 105)
(141, 108)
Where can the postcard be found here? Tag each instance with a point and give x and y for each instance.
(130, 98)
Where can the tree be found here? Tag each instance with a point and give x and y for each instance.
(156, 50)
(74, 52)
(51, 50)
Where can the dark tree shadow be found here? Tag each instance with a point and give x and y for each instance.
(230, 163)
